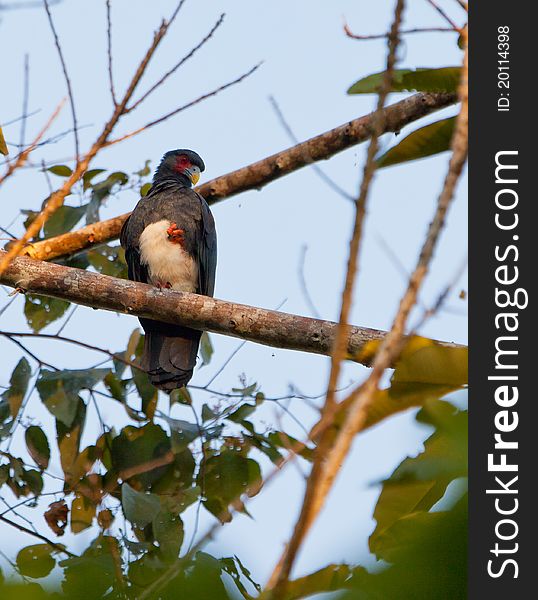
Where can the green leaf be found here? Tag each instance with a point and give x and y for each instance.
(36, 561)
(425, 361)
(329, 579)
(182, 433)
(34, 481)
(206, 348)
(242, 413)
(144, 189)
(89, 175)
(60, 170)
(168, 532)
(246, 391)
(235, 568)
(426, 141)
(135, 446)
(109, 260)
(145, 170)
(38, 446)
(208, 414)
(225, 478)
(18, 385)
(181, 396)
(40, 311)
(63, 220)
(90, 575)
(445, 79)
(59, 390)
(3, 146)
(147, 392)
(100, 191)
(138, 507)
(419, 482)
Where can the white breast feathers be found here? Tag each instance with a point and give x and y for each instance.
(169, 266)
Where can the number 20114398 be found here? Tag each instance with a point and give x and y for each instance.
(503, 51)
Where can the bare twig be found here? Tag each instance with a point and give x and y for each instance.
(109, 53)
(311, 504)
(307, 158)
(66, 76)
(23, 156)
(381, 36)
(444, 15)
(25, 98)
(184, 107)
(55, 336)
(178, 64)
(302, 281)
(56, 200)
(39, 536)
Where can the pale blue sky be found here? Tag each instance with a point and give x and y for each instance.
(308, 65)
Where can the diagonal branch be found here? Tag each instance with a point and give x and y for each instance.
(269, 327)
(259, 174)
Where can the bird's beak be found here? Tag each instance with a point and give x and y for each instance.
(193, 173)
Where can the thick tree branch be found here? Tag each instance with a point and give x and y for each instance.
(260, 173)
(269, 327)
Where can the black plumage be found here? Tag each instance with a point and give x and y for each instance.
(170, 351)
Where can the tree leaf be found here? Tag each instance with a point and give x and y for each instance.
(69, 442)
(426, 141)
(168, 532)
(3, 146)
(206, 348)
(60, 170)
(109, 260)
(63, 220)
(82, 513)
(139, 507)
(225, 478)
(329, 579)
(136, 446)
(18, 385)
(89, 175)
(40, 311)
(59, 390)
(100, 191)
(36, 561)
(419, 482)
(144, 189)
(147, 392)
(90, 575)
(38, 446)
(445, 79)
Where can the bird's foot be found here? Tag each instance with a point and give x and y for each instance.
(166, 285)
(176, 235)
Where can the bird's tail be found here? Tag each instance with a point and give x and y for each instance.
(169, 354)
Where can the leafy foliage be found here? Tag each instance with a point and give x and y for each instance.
(445, 79)
(426, 141)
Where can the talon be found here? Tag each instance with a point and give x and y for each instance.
(175, 234)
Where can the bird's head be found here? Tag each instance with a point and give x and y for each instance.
(185, 164)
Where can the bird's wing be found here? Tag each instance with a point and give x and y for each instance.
(207, 251)
(129, 241)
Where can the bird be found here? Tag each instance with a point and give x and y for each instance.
(170, 242)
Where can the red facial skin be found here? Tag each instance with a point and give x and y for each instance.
(182, 163)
